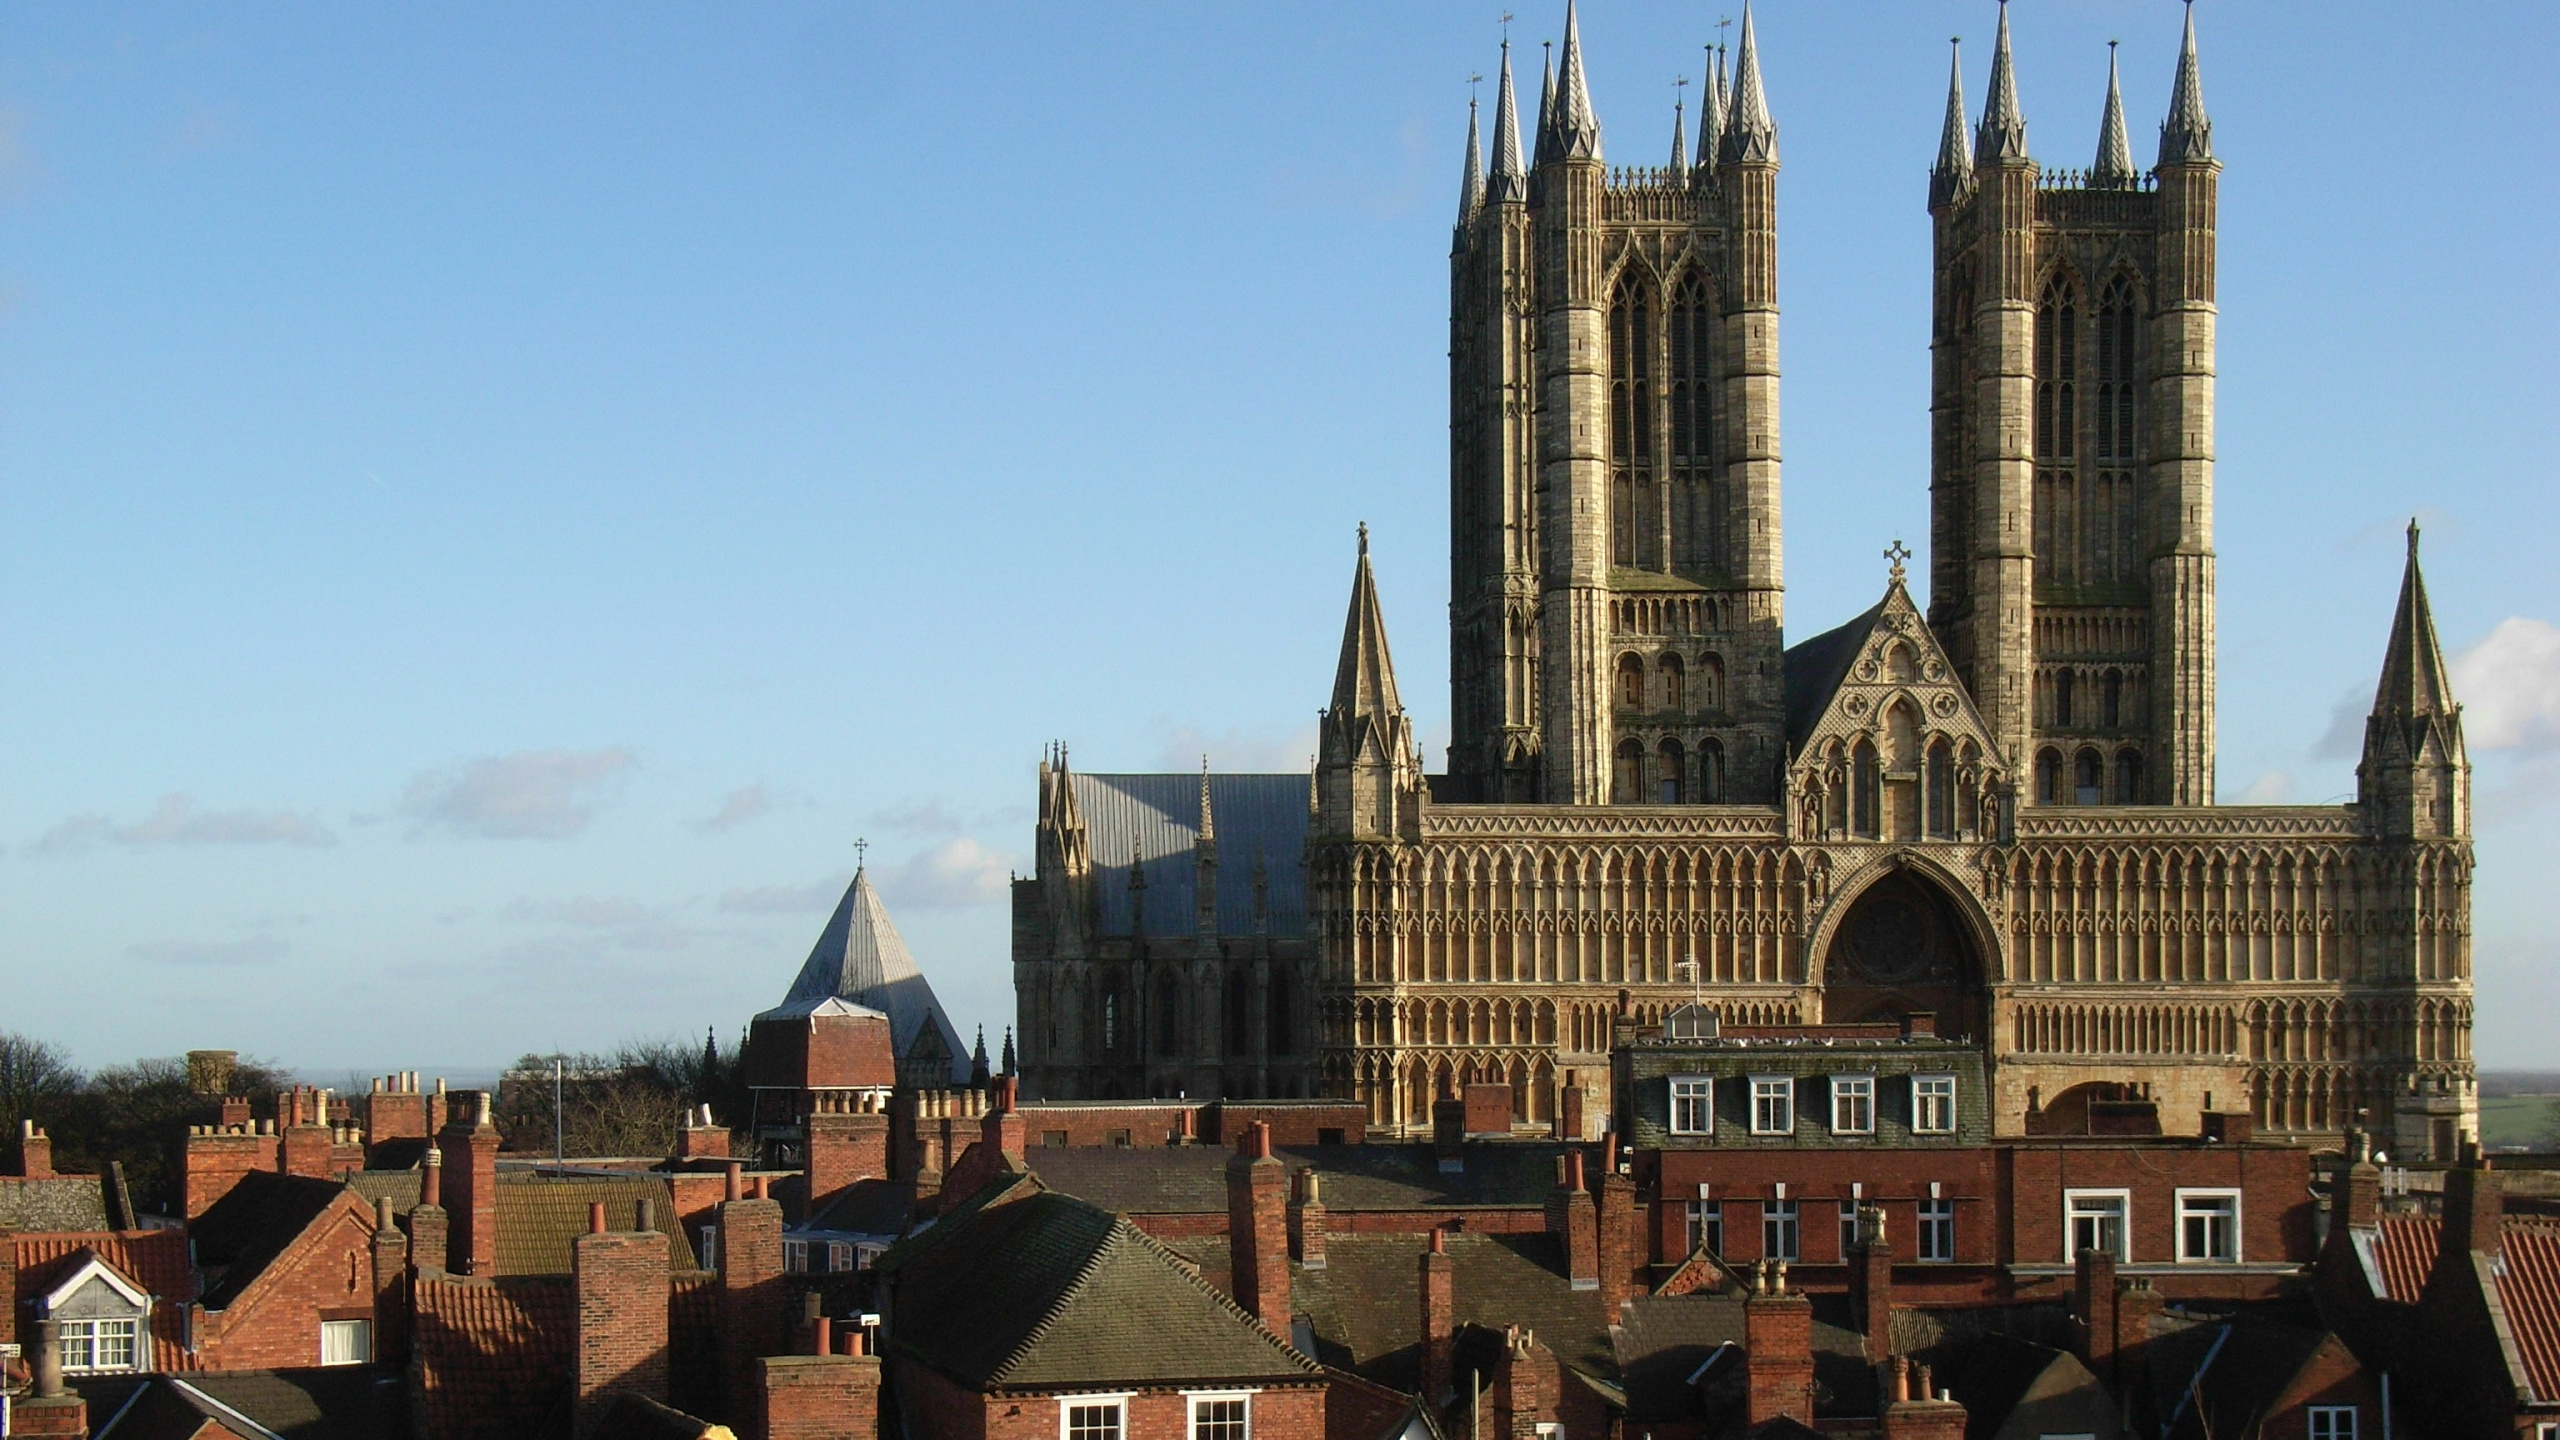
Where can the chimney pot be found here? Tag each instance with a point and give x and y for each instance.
(595, 1217)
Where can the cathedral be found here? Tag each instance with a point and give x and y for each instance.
(1998, 812)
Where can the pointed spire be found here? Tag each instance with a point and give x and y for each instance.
(1471, 184)
(1546, 108)
(1208, 821)
(2003, 135)
(2415, 681)
(1577, 129)
(2186, 137)
(2114, 167)
(1711, 102)
(1749, 133)
(1009, 1067)
(1510, 177)
(1365, 681)
(978, 1073)
(1679, 143)
(1953, 174)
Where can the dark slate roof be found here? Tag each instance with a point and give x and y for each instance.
(1661, 1340)
(867, 1207)
(1192, 1179)
(1815, 668)
(540, 1216)
(860, 958)
(1996, 1375)
(1365, 1304)
(341, 1402)
(1041, 1291)
(2234, 1370)
(1263, 815)
(244, 1231)
(65, 1202)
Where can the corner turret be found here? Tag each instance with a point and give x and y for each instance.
(2113, 169)
(2186, 137)
(1368, 773)
(1952, 176)
(2003, 136)
(2414, 781)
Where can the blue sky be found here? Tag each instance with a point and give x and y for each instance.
(494, 500)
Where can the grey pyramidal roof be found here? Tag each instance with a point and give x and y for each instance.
(860, 958)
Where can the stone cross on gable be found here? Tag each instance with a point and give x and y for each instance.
(1897, 552)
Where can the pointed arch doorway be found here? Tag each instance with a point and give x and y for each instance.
(1900, 950)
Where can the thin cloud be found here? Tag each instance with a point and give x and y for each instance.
(1237, 750)
(2273, 788)
(920, 817)
(210, 954)
(747, 802)
(532, 794)
(956, 873)
(2509, 686)
(176, 820)
(813, 898)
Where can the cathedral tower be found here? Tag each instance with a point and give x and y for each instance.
(2071, 472)
(1615, 544)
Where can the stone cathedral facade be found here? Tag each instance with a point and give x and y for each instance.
(1999, 812)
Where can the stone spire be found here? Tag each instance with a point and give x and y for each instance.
(1577, 129)
(1679, 143)
(1749, 133)
(1471, 184)
(2113, 169)
(1953, 174)
(2414, 780)
(1545, 143)
(2186, 137)
(2003, 135)
(1711, 102)
(1510, 177)
(1208, 819)
(1008, 1050)
(1364, 683)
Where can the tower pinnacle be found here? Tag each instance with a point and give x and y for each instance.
(1679, 141)
(2113, 169)
(1510, 180)
(1471, 184)
(1749, 133)
(1577, 129)
(2003, 135)
(1545, 143)
(1712, 101)
(1953, 174)
(2186, 137)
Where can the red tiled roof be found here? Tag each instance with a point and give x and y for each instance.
(2406, 1254)
(2530, 1290)
(494, 1356)
(156, 1260)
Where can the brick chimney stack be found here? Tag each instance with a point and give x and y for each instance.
(2475, 1206)
(35, 1151)
(820, 1397)
(470, 1185)
(756, 1310)
(1449, 1130)
(1915, 1412)
(2093, 1312)
(1571, 1101)
(846, 1144)
(1306, 1221)
(307, 1140)
(1777, 1349)
(1572, 1218)
(701, 1137)
(1003, 1128)
(218, 1155)
(390, 1286)
(1257, 1229)
(623, 1291)
(1439, 1318)
(2356, 1202)
(50, 1410)
(1871, 1283)
(1622, 1248)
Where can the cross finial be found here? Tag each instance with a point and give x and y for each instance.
(1897, 552)
(860, 848)
(1506, 27)
(1364, 537)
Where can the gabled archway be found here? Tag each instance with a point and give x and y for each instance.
(1901, 947)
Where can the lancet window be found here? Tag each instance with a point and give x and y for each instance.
(1635, 510)
(1697, 508)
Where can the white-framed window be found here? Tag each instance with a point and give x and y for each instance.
(1933, 1104)
(2547, 1430)
(94, 1346)
(1773, 1104)
(346, 1342)
(2338, 1422)
(1853, 1104)
(710, 1247)
(1706, 1226)
(795, 1256)
(1780, 1235)
(842, 1256)
(1937, 1229)
(2097, 1220)
(1221, 1415)
(1092, 1417)
(1693, 1105)
(2209, 1227)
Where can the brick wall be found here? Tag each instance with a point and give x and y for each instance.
(844, 1147)
(819, 1397)
(325, 1273)
(622, 1288)
(946, 1412)
(217, 1156)
(1777, 1346)
(1488, 1109)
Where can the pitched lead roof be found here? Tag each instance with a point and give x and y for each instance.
(860, 958)
(1261, 819)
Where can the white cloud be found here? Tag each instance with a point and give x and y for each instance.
(2509, 686)
(210, 954)
(954, 873)
(2273, 788)
(818, 896)
(614, 920)
(1238, 750)
(923, 817)
(747, 802)
(177, 821)
(536, 794)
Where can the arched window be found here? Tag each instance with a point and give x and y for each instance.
(1626, 782)
(2057, 485)
(1168, 1016)
(1675, 683)
(1710, 681)
(1710, 772)
(2049, 778)
(1866, 783)
(1280, 1033)
(2062, 699)
(1631, 681)
(2086, 779)
(2111, 698)
(2128, 777)
(1671, 773)
(1697, 522)
(2117, 338)
(1636, 530)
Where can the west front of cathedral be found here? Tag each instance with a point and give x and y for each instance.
(1998, 814)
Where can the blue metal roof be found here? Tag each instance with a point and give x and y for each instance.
(1263, 815)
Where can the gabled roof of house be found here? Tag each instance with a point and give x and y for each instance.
(1041, 1291)
(867, 1207)
(1662, 1340)
(2221, 1379)
(2404, 1251)
(1998, 1372)
(155, 1260)
(540, 1217)
(253, 1223)
(339, 1402)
